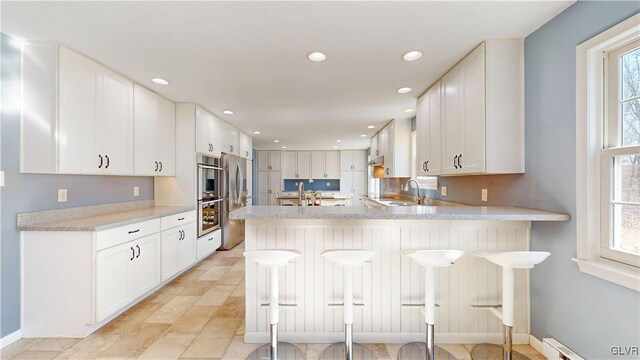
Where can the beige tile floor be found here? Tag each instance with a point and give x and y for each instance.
(199, 315)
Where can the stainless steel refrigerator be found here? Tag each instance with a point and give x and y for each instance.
(234, 192)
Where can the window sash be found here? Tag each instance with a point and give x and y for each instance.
(608, 202)
(612, 87)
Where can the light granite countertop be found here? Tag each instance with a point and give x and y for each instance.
(494, 213)
(103, 221)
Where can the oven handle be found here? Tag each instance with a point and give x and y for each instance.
(209, 167)
(200, 202)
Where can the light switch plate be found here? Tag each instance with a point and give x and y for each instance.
(62, 195)
(136, 191)
(443, 190)
(485, 194)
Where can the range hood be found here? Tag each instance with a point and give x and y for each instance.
(379, 161)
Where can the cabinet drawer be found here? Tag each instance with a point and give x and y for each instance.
(207, 245)
(172, 221)
(112, 237)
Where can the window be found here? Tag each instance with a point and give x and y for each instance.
(620, 214)
(608, 154)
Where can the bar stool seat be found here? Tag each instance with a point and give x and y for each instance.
(430, 260)
(274, 259)
(509, 261)
(348, 259)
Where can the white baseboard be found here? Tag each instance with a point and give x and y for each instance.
(10, 339)
(535, 343)
(383, 337)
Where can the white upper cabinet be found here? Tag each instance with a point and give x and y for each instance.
(246, 146)
(230, 139)
(428, 132)
(208, 133)
(269, 160)
(353, 160)
(95, 107)
(394, 144)
(154, 134)
(483, 111)
(375, 151)
(325, 164)
(297, 165)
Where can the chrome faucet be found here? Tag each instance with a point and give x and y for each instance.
(300, 192)
(420, 200)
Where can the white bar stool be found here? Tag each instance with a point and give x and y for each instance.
(430, 260)
(348, 259)
(273, 259)
(509, 261)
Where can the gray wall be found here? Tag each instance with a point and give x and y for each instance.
(30, 192)
(585, 313)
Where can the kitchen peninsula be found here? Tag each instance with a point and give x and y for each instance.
(391, 279)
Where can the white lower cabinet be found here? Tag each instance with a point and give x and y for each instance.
(100, 274)
(207, 245)
(114, 279)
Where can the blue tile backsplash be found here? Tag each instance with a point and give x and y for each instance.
(317, 184)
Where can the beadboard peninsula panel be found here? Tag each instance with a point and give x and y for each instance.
(390, 280)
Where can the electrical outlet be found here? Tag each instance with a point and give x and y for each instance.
(485, 195)
(443, 190)
(328, 184)
(62, 195)
(136, 191)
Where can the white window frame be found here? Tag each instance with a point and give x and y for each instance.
(590, 179)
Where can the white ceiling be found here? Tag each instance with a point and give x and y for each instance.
(251, 57)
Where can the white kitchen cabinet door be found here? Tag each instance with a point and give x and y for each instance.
(275, 182)
(275, 160)
(346, 182)
(384, 138)
(215, 135)
(304, 164)
(170, 260)
(359, 160)
(359, 184)
(78, 83)
(451, 120)
(246, 146)
(207, 245)
(146, 265)
(187, 246)
(429, 136)
(263, 187)
(375, 151)
(346, 160)
(203, 145)
(472, 132)
(165, 136)
(317, 165)
(332, 164)
(264, 162)
(249, 173)
(114, 279)
(144, 159)
(290, 165)
(114, 137)
(230, 139)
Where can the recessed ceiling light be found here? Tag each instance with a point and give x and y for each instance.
(363, 135)
(409, 110)
(257, 132)
(412, 55)
(160, 81)
(276, 141)
(404, 90)
(284, 147)
(370, 127)
(338, 141)
(227, 112)
(317, 56)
